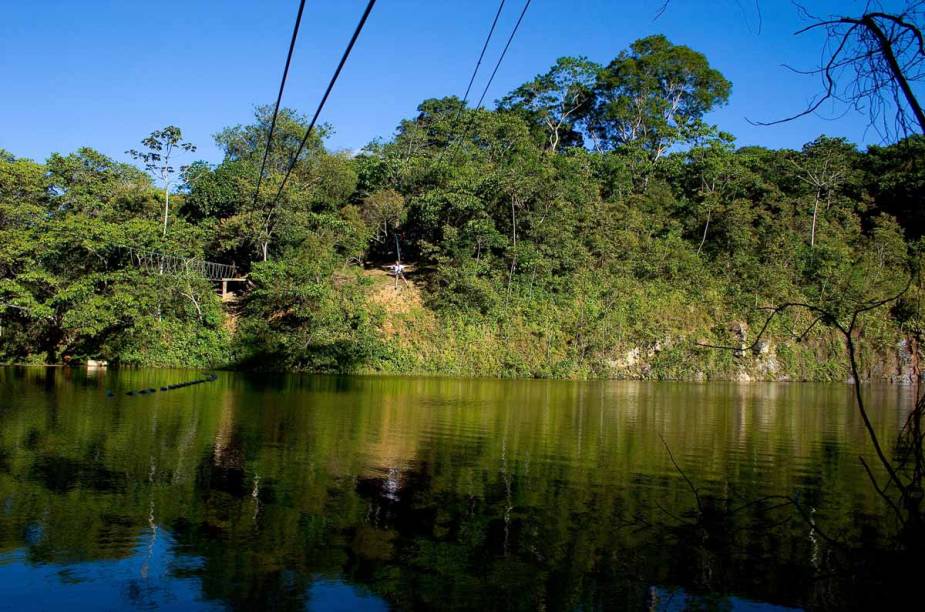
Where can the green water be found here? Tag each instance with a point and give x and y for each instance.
(256, 492)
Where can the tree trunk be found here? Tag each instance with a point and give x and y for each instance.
(887, 49)
(554, 137)
(812, 234)
(166, 206)
(53, 344)
(510, 277)
(706, 226)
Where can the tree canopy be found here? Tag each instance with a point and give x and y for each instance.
(594, 223)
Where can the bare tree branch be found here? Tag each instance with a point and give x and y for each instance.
(869, 63)
(683, 475)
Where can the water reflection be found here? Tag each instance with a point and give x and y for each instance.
(351, 492)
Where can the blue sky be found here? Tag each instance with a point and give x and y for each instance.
(105, 73)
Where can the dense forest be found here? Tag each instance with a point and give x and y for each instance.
(591, 224)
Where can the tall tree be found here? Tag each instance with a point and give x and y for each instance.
(654, 96)
(558, 100)
(714, 168)
(896, 179)
(824, 165)
(160, 148)
(319, 184)
(384, 211)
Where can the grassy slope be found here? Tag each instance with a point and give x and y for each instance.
(630, 343)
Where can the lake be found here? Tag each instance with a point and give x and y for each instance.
(373, 493)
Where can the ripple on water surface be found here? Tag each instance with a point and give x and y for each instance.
(266, 492)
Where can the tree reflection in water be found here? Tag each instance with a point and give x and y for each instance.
(287, 492)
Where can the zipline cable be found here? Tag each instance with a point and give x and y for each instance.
(340, 66)
(475, 72)
(503, 53)
(482, 54)
(493, 73)
(279, 98)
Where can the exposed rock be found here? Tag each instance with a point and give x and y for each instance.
(630, 364)
(766, 363)
(898, 364)
(631, 358)
(769, 367)
(740, 330)
(906, 370)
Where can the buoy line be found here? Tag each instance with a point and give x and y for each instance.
(149, 390)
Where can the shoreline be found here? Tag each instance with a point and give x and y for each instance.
(435, 375)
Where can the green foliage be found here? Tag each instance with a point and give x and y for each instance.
(592, 225)
(896, 176)
(384, 212)
(250, 226)
(69, 289)
(300, 315)
(653, 97)
(158, 157)
(558, 100)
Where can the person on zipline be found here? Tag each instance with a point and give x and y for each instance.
(398, 271)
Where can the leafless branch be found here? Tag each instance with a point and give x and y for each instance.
(881, 492)
(683, 475)
(869, 64)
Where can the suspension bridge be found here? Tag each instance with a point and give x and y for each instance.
(155, 262)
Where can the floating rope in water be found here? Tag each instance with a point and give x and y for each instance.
(149, 390)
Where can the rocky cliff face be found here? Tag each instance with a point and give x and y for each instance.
(747, 360)
(908, 359)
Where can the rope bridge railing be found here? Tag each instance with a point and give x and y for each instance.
(154, 262)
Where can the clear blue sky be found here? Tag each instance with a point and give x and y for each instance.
(105, 73)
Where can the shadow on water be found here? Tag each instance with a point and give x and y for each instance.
(287, 492)
(61, 474)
